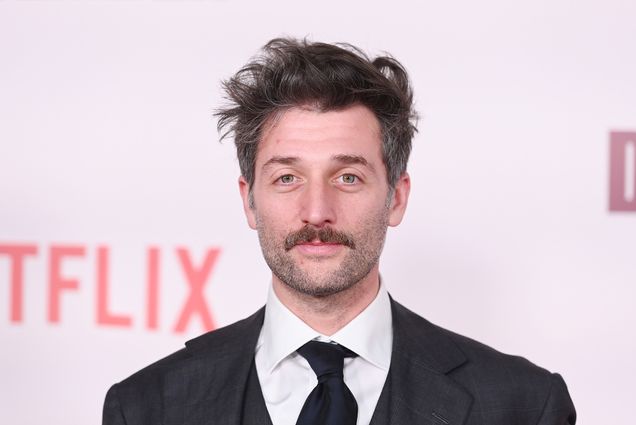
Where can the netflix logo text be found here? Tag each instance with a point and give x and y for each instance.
(622, 184)
(196, 272)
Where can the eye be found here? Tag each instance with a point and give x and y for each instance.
(349, 178)
(286, 179)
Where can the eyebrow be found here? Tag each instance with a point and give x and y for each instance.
(282, 160)
(352, 160)
(342, 158)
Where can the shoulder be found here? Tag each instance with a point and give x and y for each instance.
(491, 371)
(511, 386)
(218, 344)
(447, 350)
(210, 355)
(498, 382)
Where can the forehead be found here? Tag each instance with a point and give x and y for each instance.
(308, 133)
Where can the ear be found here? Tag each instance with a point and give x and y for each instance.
(400, 199)
(250, 213)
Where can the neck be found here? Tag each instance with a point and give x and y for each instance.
(330, 313)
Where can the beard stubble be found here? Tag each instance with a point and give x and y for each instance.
(315, 278)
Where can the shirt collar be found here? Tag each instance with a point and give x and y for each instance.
(370, 334)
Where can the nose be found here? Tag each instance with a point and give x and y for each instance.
(317, 204)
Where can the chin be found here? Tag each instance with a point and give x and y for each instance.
(319, 288)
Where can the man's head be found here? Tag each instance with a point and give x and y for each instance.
(323, 135)
(325, 77)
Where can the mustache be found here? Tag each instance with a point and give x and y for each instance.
(324, 234)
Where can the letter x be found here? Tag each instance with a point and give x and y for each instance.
(196, 277)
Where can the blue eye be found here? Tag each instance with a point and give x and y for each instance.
(286, 179)
(349, 178)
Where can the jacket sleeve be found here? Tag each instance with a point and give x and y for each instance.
(558, 408)
(112, 414)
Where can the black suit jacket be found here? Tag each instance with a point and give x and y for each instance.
(436, 378)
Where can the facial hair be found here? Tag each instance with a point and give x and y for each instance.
(316, 278)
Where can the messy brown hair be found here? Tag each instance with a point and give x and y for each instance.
(290, 73)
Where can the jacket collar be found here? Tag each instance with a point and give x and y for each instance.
(421, 391)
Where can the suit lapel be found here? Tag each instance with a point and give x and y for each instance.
(210, 388)
(421, 390)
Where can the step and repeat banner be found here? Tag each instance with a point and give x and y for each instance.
(122, 233)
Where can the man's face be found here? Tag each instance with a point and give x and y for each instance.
(320, 198)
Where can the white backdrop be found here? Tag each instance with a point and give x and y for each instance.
(109, 157)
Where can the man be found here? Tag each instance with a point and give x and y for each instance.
(323, 136)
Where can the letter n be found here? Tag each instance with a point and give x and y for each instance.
(622, 184)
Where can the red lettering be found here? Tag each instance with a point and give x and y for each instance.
(57, 283)
(196, 279)
(16, 255)
(622, 196)
(104, 316)
(152, 318)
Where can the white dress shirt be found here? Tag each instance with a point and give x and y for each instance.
(287, 379)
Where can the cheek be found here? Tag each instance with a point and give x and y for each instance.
(270, 222)
(359, 207)
(279, 209)
(373, 217)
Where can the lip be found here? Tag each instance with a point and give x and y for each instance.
(323, 249)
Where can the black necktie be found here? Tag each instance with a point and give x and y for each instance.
(331, 402)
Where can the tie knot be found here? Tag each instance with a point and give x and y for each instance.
(325, 359)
